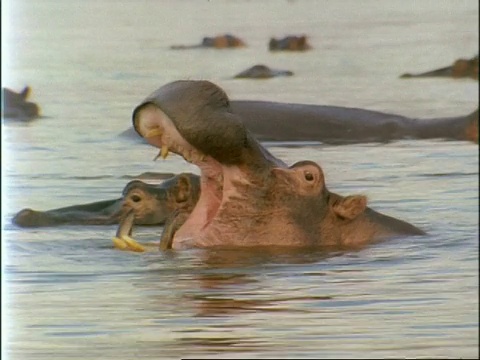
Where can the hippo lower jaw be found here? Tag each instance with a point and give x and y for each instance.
(122, 239)
(215, 216)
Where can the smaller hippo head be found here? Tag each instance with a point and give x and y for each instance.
(152, 204)
(289, 43)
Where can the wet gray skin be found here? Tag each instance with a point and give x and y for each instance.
(274, 121)
(248, 197)
(16, 106)
(217, 42)
(289, 43)
(96, 213)
(461, 68)
(262, 72)
(151, 204)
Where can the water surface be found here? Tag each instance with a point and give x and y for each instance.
(70, 295)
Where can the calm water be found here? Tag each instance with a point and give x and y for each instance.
(68, 294)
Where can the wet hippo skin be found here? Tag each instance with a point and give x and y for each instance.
(289, 43)
(262, 72)
(216, 42)
(248, 197)
(16, 106)
(151, 203)
(275, 121)
(461, 68)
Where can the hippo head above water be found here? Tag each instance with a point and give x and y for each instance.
(248, 197)
(152, 204)
(145, 204)
(16, 106)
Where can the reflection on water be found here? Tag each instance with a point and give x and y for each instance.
(70, 295)
(200, 302)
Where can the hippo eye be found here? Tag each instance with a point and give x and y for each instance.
(136, 198)
(308, 176)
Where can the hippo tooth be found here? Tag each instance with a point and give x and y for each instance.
(119, 243)
(127, 243)
(132, 244)
(153, 132)
(164, 151)
(188, 156)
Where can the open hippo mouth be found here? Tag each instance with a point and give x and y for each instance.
(239, 197)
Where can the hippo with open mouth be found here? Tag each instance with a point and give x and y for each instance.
(248, 197)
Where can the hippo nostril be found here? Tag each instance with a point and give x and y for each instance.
(136, 198)
(308, 176)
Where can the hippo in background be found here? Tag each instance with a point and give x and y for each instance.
(248, 197)
(217, 42)
(152, 204)
(289, 43)
(275, 121)
(461, 68)
(262, 72)
(16, 106)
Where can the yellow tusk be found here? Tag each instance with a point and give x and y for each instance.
(119, 243)
(164, 151)
(132, 244)
(153, 132)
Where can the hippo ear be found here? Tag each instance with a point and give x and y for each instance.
(182, 189)
(25, 92)
(350, 207)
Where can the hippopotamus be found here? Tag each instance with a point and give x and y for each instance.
(217, 42)
(275, 121)
(262, 72)
(248, 197)
(151, 203)
(461, 68)
(289, 43)
(16, 106)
